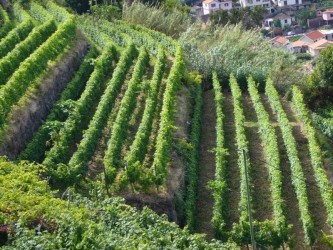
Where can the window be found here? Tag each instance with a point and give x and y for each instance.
(296, 1)
(331, 15)
(213, 5)
(286, 21)
(285, 3)
(257, 1)
(226, 4)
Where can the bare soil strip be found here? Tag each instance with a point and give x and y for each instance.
(317, 208)
(233, 194)
(206, 166)
(261, 192)
(289, 195)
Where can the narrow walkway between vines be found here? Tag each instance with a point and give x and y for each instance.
(233, 180)
(96, 165)
(261, 192)
(288, 191)
(206, 165)
(316, 205)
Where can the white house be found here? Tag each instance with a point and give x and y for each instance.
(284, 19)
(328, 34)
(282, 3)
(209, 6)
(252, 3)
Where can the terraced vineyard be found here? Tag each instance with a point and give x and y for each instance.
(91, 99)
(288, 182)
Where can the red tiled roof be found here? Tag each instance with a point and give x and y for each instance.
(300, 44)
(314, 35)
(280, 39)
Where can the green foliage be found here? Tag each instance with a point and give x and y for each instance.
(34, 65)
(163, 141)
(118, 131)
(269, 139)
(107, 12)
(172, 24)
(302, 16)
(139, 146)
(227, 50)
(320, 82)
(79, 6)
(35, 219)
(171, 6)
(297, 175)
(6, 24)
(303, 56)
(41, 141)
(315, 154)
(19, 33)
(219, 185)
(80, 116)
(79, 161)
(10, 63)
(242, 144)
(324, 124)
(277, 23)
(192, 159)
(250, 18)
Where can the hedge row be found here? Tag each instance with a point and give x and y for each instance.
(269, 140)
(83, 110)
(33, 66)
(315, 154)
(119, 128)
(140, 38)
(36, 148)
(79, 161)
(7, 24)
(242, 144)
(164, 139)
(159, 38)
(39, 13)
(297, 175)
(139, 146)
(166, 41)
(24, 49)
(193, 160)
(100, 38)
(59, 13)
(17, 34)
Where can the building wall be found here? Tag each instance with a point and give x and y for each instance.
(282, 3)
(285, 22)
(328, 16)
(216, 5)
(252, 3)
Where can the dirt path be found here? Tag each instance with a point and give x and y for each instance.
(206, 166)
(289, 195)
(261, 192)
(317, 208)
(233, 195)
